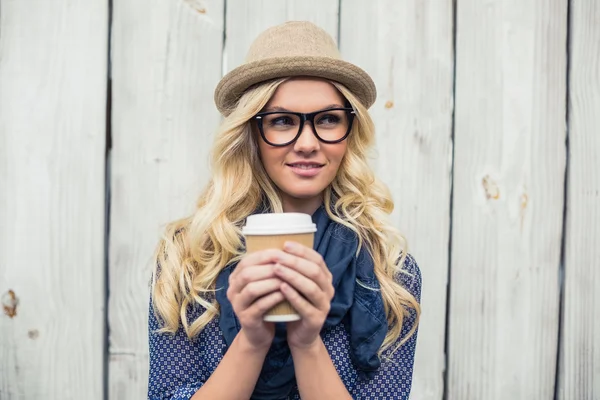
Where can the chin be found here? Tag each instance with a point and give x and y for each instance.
(303, 195)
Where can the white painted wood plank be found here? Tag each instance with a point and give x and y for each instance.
(580, 342)
(53, 58)
(509, 171)
(247, 19)
(406, 46)
(166, 64)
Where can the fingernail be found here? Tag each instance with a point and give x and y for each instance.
(288, 246)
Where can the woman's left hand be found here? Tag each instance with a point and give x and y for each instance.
(308, 287)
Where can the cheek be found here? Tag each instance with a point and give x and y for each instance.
(271, 157)
(336, 154)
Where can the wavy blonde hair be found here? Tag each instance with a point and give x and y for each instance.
(194, 250)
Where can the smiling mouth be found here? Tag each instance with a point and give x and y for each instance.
(305, 166)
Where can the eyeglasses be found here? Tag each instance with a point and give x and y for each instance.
(279, 128)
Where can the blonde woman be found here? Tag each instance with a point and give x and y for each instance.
(295, 138)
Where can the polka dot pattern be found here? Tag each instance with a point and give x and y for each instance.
(179, 366)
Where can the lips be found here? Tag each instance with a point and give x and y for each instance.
(305, 165)
(306, 169)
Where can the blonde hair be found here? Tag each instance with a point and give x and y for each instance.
(194, 250)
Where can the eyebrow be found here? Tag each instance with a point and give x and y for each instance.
(282, 109)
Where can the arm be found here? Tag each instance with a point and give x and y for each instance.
(393, 380)
(169, 377)
(316, 375)
(307, 285)
(229, 381)
(177, 367)
(177, 370)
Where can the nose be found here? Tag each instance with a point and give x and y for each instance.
(307, 142)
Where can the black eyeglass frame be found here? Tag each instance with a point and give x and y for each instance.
(310, 117)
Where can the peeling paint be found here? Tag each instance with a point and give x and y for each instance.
(10, 303)
(492, 191)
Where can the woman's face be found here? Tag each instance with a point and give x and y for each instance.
(303, 169)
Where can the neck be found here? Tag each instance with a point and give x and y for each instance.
(306, 206)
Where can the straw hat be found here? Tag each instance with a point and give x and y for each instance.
(296, 48)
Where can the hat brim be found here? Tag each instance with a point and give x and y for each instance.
(232, 85)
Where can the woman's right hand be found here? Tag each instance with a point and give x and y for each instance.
(253, 290)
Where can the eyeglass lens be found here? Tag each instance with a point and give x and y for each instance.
(280, 128)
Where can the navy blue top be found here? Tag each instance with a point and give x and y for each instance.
(179, 366)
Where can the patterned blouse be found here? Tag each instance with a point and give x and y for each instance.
(179, 367)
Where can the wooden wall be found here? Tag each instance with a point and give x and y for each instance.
(53, 69)
(579, 370)
(509, 169)
(487, 134)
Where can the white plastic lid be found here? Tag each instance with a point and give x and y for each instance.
(278, 224)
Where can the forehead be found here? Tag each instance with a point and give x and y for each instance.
(305, 94)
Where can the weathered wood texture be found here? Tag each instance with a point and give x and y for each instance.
(246, 19)
(166, 61)
(52, 142)
(580, 344)
(505, 168)
(406, 46)
(510, 161)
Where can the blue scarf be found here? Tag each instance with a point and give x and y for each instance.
(359, 309)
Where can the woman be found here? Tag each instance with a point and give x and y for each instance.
(295, 138)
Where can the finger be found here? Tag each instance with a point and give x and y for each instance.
(307, 268)
(250, 274)
(303, 285)
(306, 310)
(304, 252)
(259, 257)
(258, 309)
(255, 290)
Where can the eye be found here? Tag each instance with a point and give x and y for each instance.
(328, 119)
(281, 121)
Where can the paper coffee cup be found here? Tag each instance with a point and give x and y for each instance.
(271, 231)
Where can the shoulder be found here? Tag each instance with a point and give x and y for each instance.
(409, 276)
